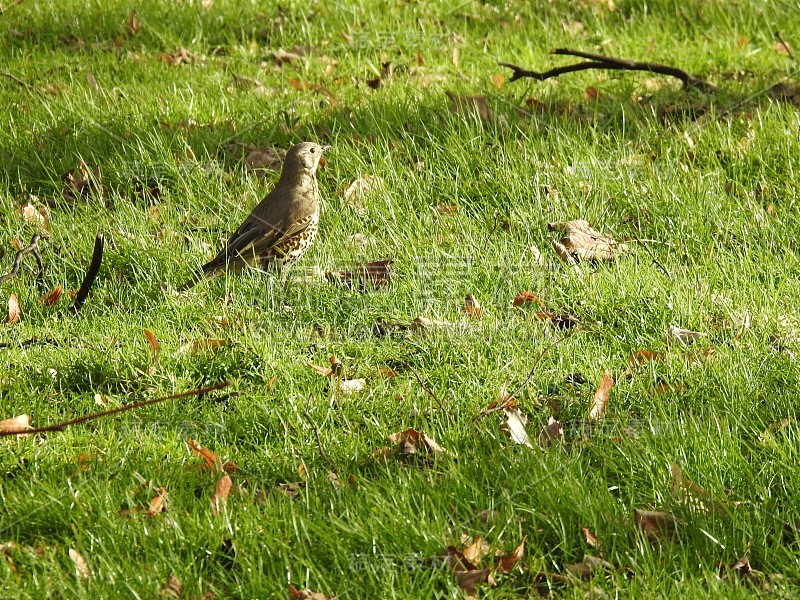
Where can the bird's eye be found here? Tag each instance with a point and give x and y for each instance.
(312, 151)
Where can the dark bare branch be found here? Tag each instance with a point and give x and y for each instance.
(598, 61)
(32, 248)
(91, 273)
(113, 411)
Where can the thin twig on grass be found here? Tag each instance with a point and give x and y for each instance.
(113, 411)
(653, 256)
(32, 248)
(16, 79)
(30, 342)
(598, 61)
(785, 45)
(91, 273)
(501, 405)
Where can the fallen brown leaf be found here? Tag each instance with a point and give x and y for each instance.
(469, 580)
(683, 336)
(132, 24)
(306, 594)
(590, 565)
(470, 106)
(562, 321)
(477, 550)
(552, 432)
(172, 588)
(14, 313)
(38, 217)
(591, 537)
(261, 160)
(52, 297)
(579, 240)
(18, 424)
(656, 525)
(506, 564)
(600, 402)
(179, 57)
(154, 345)
(408, 443)
(498, 79)
(359, 189)
(526, 297)
(515, 426)
(211, 460)
(448, 210)
(472, 307)
(375, 274)
(81, 183)
(221, 492)
(81, 568)
(196, 346)
(642, 357)
(158, 503)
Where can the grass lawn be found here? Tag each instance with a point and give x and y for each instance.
(703, 189)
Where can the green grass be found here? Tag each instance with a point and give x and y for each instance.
(718, 194)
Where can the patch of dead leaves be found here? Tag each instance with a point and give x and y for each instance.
(580, 241)
(408, 444)
(375, 274)
(81, 182)
(683, 336)
(656, 525)
(361, 187)
(261, 160)
(470, 106)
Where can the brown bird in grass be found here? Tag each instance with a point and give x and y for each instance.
(281, 227)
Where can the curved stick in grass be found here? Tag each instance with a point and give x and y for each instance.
(33, 247)
(113, 411)
(91, 273)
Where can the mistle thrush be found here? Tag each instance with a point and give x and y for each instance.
(281, 227)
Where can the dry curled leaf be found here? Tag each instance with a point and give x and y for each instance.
(132, 24)
(18, 424)
(524, 298)
(355, 193)
(410, 442)
(172, 588)
(211, 460)
(515, 426)
(551, 433)
(179, 57)
(655, 525)
(14, 312)
(81, 182)
(683, 336)
(600, 402)
(52, 297)
(38, 217)
(375, 274)
(261, 160)
(447, 210)
(562, 321)
(200, 345)
(581, 241)
(470, 106)
(154, 345)
(423, 324)
(472, 307)
(306, 594)
(590, 536)
(158, 503)
(221, 492)
(506, 564)
(586, 569)
(81, 568)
